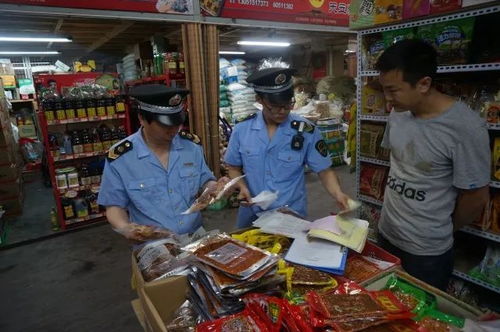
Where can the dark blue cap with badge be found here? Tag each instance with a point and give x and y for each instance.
(167, 104)
(276, 84)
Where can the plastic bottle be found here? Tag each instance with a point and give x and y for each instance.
(69, 108)
(76, 141)
(110, 106)
(60, 112)
(120, 104)
(96, 141)
(91, 108)
(88, 146)
(81, 112)
(115, 138)
(53, 220)
(49, 110)
(101, 107)
(106, 138)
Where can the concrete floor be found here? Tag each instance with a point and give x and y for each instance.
(80, 281)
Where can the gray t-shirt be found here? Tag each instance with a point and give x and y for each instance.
(430, 160)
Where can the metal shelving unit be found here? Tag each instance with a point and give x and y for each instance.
(363, 75)
(476, 281)
(375, 161)
(480, 233)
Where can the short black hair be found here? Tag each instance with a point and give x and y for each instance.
(414, 57)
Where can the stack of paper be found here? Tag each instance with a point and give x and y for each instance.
(274, 222)
(318, 254)
(351, 232)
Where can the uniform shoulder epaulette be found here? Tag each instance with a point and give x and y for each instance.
(190, 136)
(308, 128)
(251, 116)
(119, 149)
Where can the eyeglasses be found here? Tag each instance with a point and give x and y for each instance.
(277, 108)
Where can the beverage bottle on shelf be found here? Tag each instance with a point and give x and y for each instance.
(110, 106)
(77, 143)
(53, 220)
(120, 104)
(182, 65)
(92, 202)
(122, 134)
(69, 108)
(81, 207)
(88, 146)
(101, 107)
(68, 149)
(54, 146)
(60, 112)
(96, 141)
(95, 173)
(85, 176)
(91, 107)
(106, 138)
(81, 111)
(114, 136)
(49, 109)
(68, 209)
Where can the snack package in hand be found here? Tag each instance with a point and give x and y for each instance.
(142, 233)
(265, 199)
(212, 195)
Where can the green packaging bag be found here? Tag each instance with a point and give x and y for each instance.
(393, 36)
(420, 300)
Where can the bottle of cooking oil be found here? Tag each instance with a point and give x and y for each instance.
(53, 220)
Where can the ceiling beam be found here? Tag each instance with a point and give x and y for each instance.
(110, 35)
(56, 29)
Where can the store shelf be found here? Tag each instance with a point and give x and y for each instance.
(83, 219)
(79, 120)
(79, 188)
(475, 67)
(479, 282)
(480, 233)
(21, 101)
(493, 126)
(375, 161)
(434, 19)
(79, 156)
(380, 118)
(158, 78)
(370, 200)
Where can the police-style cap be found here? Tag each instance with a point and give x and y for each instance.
(275, 83)
(167, 104)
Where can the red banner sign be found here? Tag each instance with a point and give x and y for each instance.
(323, 12)
(151, 6)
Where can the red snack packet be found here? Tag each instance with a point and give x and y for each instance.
(269, 309)
(245, 321)
(296, 318)
(393, 307)
(347, 286)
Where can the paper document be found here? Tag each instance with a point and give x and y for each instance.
(327, 224)
(354, 233)
(282, 224)
(317, 253)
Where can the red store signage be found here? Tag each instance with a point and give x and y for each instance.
(151, 6)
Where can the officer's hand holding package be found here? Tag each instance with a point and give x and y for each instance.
(272, 146)
(155, 174)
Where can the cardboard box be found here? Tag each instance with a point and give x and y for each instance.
(9, 172)
(160, 300)
(139, 313)
(445, 302)
(27, 130)
(9, 81)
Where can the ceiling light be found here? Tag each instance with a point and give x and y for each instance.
(232, 52)
(28, 52)
(36, 39)
(263, 43)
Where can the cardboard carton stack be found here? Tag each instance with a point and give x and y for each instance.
(11, 198)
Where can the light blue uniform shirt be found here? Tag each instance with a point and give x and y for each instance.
(153, 195)
(272, 164)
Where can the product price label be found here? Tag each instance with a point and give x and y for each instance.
(226, 254)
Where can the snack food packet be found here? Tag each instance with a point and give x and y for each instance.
(141, 233)
(268, 308)
(245, 321)
(433, 314)
(359, 269)
(208, 196)
(394, 36)
(296, 318)
(414, 298)
(185, 319)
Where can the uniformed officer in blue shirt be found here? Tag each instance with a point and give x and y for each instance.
(272, 147)
(154, 175)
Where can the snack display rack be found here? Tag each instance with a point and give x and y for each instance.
(363, 75)
(54, 162)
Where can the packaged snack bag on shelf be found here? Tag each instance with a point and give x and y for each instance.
(371, 136)
(393, 36)
(452, 40)
(443, 6)
(361, 13)
(387, 11)
(373, 101)
(495, 213)
(489, 268)
(373, 47)
(373, 179)
(496, 160)
(415, 8)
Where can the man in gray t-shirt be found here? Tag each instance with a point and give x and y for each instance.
(440, 164)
